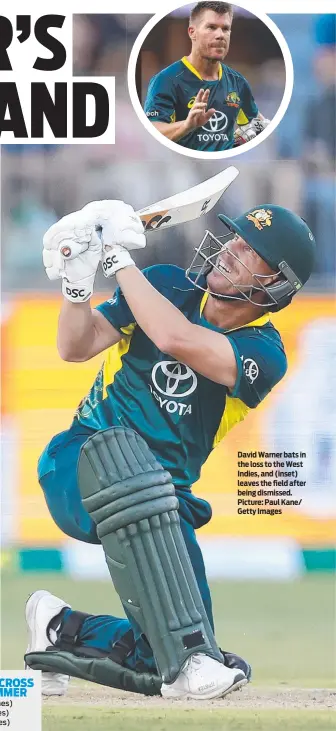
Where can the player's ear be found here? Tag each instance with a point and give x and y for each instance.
(192, 32)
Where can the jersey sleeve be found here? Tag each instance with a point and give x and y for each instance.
(248, 108)
(261, 363)
(160, 104)
(117, 312)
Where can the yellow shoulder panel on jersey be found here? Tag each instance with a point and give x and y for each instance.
(242, 118)
(113, 360)
(235, 411)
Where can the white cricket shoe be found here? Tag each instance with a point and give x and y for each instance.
(203, 678)
(41, 608)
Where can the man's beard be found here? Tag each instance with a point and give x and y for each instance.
(212, 59)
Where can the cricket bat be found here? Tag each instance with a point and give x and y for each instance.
(189, 204)
(179, 208)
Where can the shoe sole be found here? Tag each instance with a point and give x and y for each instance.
(212, 694)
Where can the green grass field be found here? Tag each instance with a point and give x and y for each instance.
(214, 720)
(286, 630)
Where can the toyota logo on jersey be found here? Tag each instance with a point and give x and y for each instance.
(217, 123)
(173, 380)
(214, 129)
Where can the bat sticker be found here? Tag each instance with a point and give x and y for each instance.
(152, 222)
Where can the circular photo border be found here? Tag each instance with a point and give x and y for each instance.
(131, 76)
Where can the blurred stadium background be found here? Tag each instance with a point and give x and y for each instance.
(254, 52)
(294, 168)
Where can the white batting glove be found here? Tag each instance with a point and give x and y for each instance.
(71, 252)
(118, 221)
(247, 132)
(121, 231)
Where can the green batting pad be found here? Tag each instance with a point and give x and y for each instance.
(132, 500)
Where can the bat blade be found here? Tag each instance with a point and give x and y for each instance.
(189, 204)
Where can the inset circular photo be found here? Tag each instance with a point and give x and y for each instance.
(210, 79)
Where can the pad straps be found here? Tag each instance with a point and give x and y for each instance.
(67, 635)
(68, 640)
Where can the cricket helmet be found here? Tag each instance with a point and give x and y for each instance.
(279, 236)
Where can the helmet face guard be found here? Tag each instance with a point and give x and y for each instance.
(277, 295)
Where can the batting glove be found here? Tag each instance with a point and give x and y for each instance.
(121, 232)
(119, 223)
(247, 132)
(72, 250)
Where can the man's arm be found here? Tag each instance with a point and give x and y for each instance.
(173, 131)
(83, 332)
(72, 251)
(208, 352)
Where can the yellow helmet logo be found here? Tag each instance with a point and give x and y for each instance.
(191, 102)
(261, 218)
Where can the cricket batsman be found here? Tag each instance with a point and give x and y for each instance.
(187, 355)
(199, 102)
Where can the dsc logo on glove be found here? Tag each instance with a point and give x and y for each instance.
(109, 262)
(75, 292)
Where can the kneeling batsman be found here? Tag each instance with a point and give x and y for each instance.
(132, 501)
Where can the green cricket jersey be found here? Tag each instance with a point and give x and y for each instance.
(171, 94)
(181, 414)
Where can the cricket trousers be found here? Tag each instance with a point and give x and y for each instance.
(57, 474)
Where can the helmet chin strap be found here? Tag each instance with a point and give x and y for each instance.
(228, 298)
